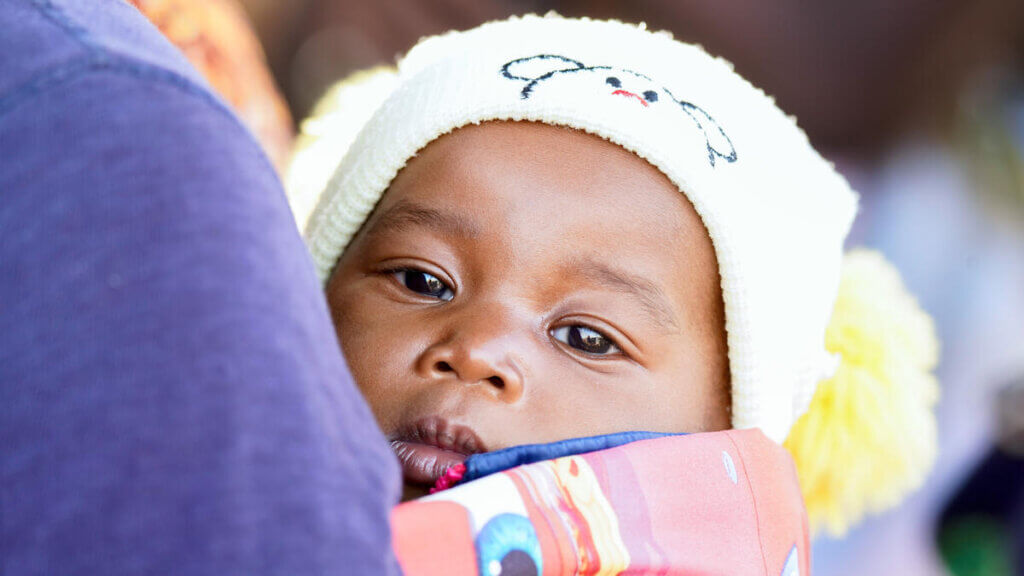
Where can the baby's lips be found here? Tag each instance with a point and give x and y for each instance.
(429, 446)
(422, 463)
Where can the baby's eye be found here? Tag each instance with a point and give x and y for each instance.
(424, 283)
(651, 96)
(585, 339)
(615, 82)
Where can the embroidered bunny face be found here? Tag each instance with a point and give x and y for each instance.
(543, 72)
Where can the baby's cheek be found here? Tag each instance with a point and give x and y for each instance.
(568, 407)
(652, 404)
(695, 404)
(377, 384)
(365, 346)
(373, 374)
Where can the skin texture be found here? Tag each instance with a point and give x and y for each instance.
(536, 238)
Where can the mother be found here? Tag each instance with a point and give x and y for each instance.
(171, 396)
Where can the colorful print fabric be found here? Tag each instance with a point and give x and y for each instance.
(715, 503)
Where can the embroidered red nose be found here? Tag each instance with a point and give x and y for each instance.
(630, 94)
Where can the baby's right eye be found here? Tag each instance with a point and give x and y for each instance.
(424, 283)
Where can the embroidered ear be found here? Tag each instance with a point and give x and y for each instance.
(718, 143)
(534, 69)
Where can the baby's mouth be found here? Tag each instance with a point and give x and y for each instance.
(432, 445)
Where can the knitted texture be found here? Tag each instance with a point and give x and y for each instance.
(870, 436)
(777, 213)
(332, 126)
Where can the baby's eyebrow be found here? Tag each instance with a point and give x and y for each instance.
(405, 214)
(651, 296)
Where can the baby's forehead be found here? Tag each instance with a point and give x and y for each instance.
(528, 155)
(546, 190)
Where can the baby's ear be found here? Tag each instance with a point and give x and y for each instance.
(535, 67)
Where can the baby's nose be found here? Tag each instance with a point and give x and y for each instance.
(484, 351)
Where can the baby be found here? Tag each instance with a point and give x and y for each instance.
(501, 295)
(556, 228)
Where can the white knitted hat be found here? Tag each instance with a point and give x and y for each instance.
(777, 213)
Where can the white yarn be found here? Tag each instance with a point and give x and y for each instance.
(330, 130)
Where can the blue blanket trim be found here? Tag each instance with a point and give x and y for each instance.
(480, 465)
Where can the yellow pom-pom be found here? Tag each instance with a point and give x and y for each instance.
(869, 436)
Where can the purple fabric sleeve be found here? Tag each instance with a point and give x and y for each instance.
(172, 397)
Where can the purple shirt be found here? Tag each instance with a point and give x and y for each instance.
(172, 396)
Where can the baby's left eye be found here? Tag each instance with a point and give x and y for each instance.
(586, 340)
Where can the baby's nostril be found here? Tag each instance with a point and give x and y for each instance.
(444, 367)
(651, 96)
(496, 381)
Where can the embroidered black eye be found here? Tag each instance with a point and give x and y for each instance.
(585, 340)
(613, 81)
(424, 283)
(651, 96)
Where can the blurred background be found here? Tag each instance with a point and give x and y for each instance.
(920, 103)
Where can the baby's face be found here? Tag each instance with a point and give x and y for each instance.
(522, 283)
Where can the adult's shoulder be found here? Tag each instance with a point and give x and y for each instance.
(173, 392)
(48, 44)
